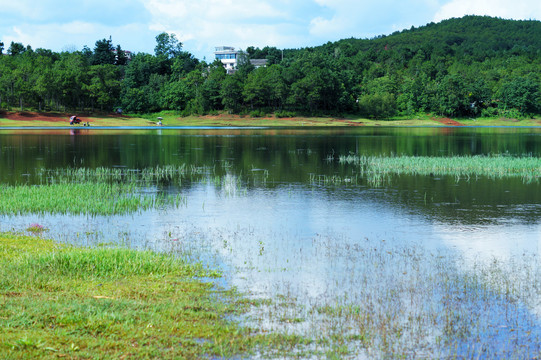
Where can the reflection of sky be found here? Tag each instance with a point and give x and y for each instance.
(491, 241)
(287, 222)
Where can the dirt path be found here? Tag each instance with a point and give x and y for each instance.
(448, 122)
(33, 116)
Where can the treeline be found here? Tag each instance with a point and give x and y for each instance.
(471, 66)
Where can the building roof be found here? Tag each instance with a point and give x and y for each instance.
(258, 62)
(219, 49)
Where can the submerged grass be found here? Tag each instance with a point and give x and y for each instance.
(60, 301)
(404, 302)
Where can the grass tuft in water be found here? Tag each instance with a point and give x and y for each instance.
(527, 167)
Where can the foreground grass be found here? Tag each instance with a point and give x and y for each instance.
(111, 303)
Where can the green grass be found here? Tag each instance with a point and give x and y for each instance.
(60, 301)
(112, 303)
(77, 198)
(99, 191)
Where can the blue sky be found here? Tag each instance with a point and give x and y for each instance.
(63, 25)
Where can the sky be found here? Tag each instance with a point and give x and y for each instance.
(201, 25)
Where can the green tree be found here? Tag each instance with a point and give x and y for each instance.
(7, 79)
(71, 77)
(256, 90)
(277, 89)
(210, 96)
(194, 82)
(231, 92)
(121, 58)
(416, 95)
(183, 64)
(104, 87)
(24, 74)
(378, 106)
(44, 78)
(167, 45)
(104, 53)
(453, 96)
(522, 94)
(16, 48)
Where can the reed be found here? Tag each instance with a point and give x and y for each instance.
(158, 174)
(528, 168)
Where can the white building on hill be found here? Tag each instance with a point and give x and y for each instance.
(229, 57)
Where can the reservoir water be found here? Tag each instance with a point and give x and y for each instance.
(266, 214)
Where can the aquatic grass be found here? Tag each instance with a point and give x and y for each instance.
(93, 198)
(112, 191)
(527, 167)
(36, 229)
(150, 175)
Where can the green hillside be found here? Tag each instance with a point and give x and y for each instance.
(466, 67)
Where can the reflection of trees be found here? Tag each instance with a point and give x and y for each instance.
(474, 201)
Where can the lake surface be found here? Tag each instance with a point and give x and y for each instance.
(266, 216)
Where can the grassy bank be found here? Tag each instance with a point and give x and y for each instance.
(170, 118)
(112, 303)
(59, 301)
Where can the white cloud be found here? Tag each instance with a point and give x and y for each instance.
(76, 34)
(364, 18)
(201, 25)
(508, 9)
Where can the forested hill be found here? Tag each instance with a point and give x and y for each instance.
(477, 36)
(470, 66)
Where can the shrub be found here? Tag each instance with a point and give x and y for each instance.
(285, 114)
(257, 113)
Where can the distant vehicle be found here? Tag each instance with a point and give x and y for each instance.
(74, 120)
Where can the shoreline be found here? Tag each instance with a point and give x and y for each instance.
(35, 120)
